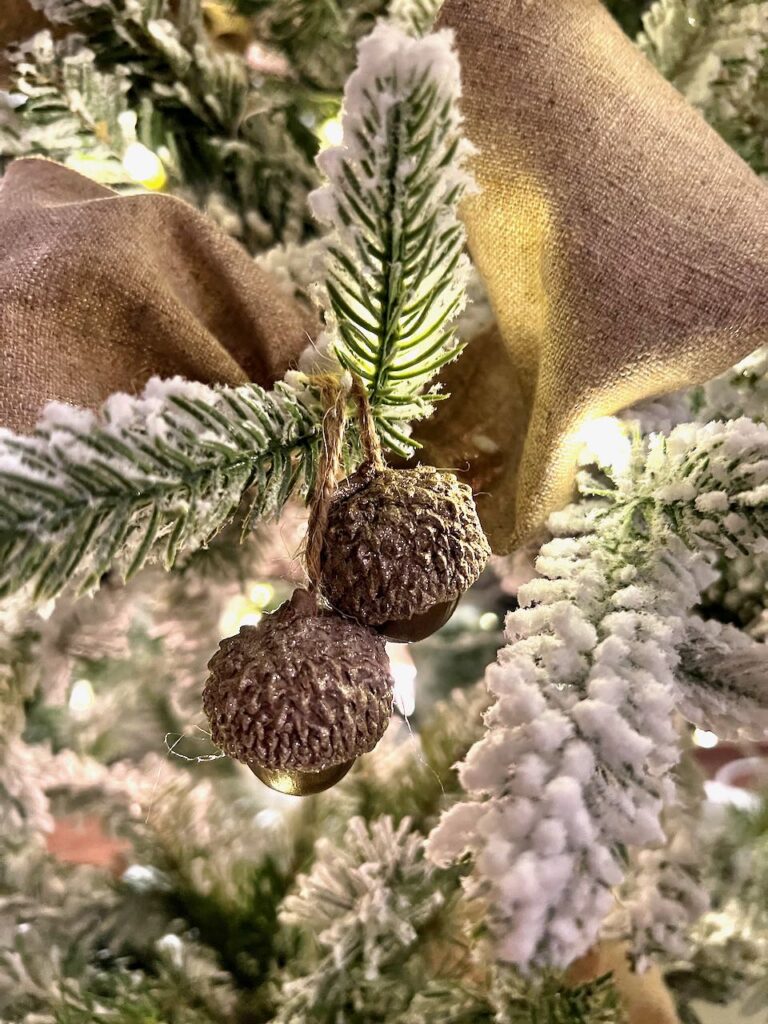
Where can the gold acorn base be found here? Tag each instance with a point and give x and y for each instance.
(297, 783)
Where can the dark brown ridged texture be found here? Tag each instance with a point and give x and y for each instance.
(400, 541)
(302, 690)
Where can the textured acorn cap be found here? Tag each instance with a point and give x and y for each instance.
(302, 690)
(400, 541)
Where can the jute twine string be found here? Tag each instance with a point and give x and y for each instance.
(368, 436)
(334, 395)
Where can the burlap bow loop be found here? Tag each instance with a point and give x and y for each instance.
(100, 291)
(624, 245)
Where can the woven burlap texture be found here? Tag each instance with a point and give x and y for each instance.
(98, 292)
(624, 244)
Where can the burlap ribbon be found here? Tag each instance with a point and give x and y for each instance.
(98, 292)
(624, 244)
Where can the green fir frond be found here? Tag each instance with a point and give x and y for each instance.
(397, 270)
(318, 37)
(548, 1000)
(68, 107)
(145, 479)
(628, 13)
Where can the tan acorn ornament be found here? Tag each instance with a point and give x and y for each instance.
(400, 548)
(300, 696)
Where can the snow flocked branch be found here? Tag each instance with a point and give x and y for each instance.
(397, 271)
(151, 72)
(575, 762)
(716, 53)
(150, 476)
(368, 902)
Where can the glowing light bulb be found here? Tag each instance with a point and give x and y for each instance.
(705, 739)
(45, 611)
(404, 674)
(268, 818)
(238, 611)
(331, 132)
(144, 167)
(605, 442)
(261, 594)
(81, 698)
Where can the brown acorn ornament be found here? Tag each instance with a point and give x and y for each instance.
(299, 696)
(400, 547)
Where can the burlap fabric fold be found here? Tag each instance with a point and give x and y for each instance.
(624, 244)
(98, 292)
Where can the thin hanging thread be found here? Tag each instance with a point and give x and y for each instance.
(334, 399)
(333, 396)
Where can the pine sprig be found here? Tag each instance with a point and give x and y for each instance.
(145, 479)
(549, 1001)
(415, 17)
(153, 476)
(716, 53)
(397, 270)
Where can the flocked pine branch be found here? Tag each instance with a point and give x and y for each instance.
(368, 902)
(716, 53)
(575, 763)
(318, 37)
(397, 270)
(663, 894)
(147, 477)
(415, 17)
(721, 681)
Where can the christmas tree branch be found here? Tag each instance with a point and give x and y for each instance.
(225, 143)
(575, 763)
(153, 476)
(716, 53)
(146, 478)
(397, 271)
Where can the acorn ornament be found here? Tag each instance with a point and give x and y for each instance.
(300, 696)
(400, 548)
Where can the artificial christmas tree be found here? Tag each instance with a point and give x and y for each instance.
(575, 846)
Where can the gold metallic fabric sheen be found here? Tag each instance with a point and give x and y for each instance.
(624, 244)
(100, 291)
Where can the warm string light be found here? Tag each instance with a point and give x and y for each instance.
(139, 162)
(144, 167)
(404, 675)
(703, 738)
(246, 609)
(81, 698)
(488, 622)
(605, 442)
(330, 132)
